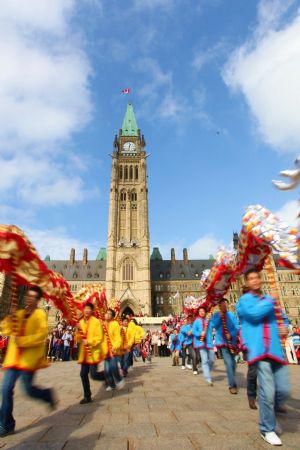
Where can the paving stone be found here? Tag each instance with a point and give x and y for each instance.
(112, 444)
(130, 430)
(213, 442)
(178, 443)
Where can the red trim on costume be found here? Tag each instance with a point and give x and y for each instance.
(267, 356)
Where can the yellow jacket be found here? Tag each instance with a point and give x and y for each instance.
(26, 347)
(114, 333)
(124, 341)
(93, 332)
(130, 333)
(139, 334)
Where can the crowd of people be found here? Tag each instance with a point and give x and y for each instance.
(256, 332)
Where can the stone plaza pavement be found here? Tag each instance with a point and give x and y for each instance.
(161, 408)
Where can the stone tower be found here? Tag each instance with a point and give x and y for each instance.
(128, 247)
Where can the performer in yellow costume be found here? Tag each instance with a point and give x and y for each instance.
(27, 330)
(91, 337)
(112, 350)
(128, 334)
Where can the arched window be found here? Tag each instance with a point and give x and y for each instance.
(123, 196)
(131, 173)
(126, 173)
(136, 172)
(121, 172)
(133, 196)
(127, 270)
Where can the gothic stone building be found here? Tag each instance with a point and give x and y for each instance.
(149, 284)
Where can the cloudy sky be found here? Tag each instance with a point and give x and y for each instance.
(216, 91)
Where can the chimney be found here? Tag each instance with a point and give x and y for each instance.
(235, 240)
(85, 257)
(173, 257)
(72, 256)
(185, 256)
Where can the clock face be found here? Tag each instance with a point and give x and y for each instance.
(129, 147)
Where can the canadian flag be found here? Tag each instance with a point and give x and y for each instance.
(126, 91)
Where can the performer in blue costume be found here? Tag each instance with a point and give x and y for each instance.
(202, 343)
(261, 335)
(227, 328)
(175, 347)
(186, 339)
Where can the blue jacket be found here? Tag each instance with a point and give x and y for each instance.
(184, 337)
(232, 328)
(259, 328)
(175, 342)
(197, 329)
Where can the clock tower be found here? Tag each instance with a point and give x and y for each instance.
(128, 247)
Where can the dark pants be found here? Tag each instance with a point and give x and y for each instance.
(66, 354)
(230, 365)
(164, 350)
(125, 362)
(84, 375)
(111, 369)
(9, 381)
(252, 382)
(186, 354)
(195, 357)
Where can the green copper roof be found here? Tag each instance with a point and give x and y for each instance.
(129, 127)
(101, 255)
(156, 255)
(47, 258)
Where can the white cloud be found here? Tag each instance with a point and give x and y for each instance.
(209, 55)
(57, 243)
(44, 99)
(289, 213)
(204, 247)
(265, 69)
(162, 99)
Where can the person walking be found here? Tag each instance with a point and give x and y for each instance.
(90, 336)
(175, 347)
(261, 333)
(227, 328)
(67, 339)
(27, 330)
(112, 350)
(186, 338)
(202, 343)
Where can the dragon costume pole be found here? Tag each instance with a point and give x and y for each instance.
(224, 324)
(278, 310)
(14, 296)
(208, 317)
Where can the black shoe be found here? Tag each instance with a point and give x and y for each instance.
(85, 400)
(53, 402)
(6, 432)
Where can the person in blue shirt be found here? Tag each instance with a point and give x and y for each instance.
(202, 343)
(261, 335)
(175, 347)
(186, 338)
(226, 340)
